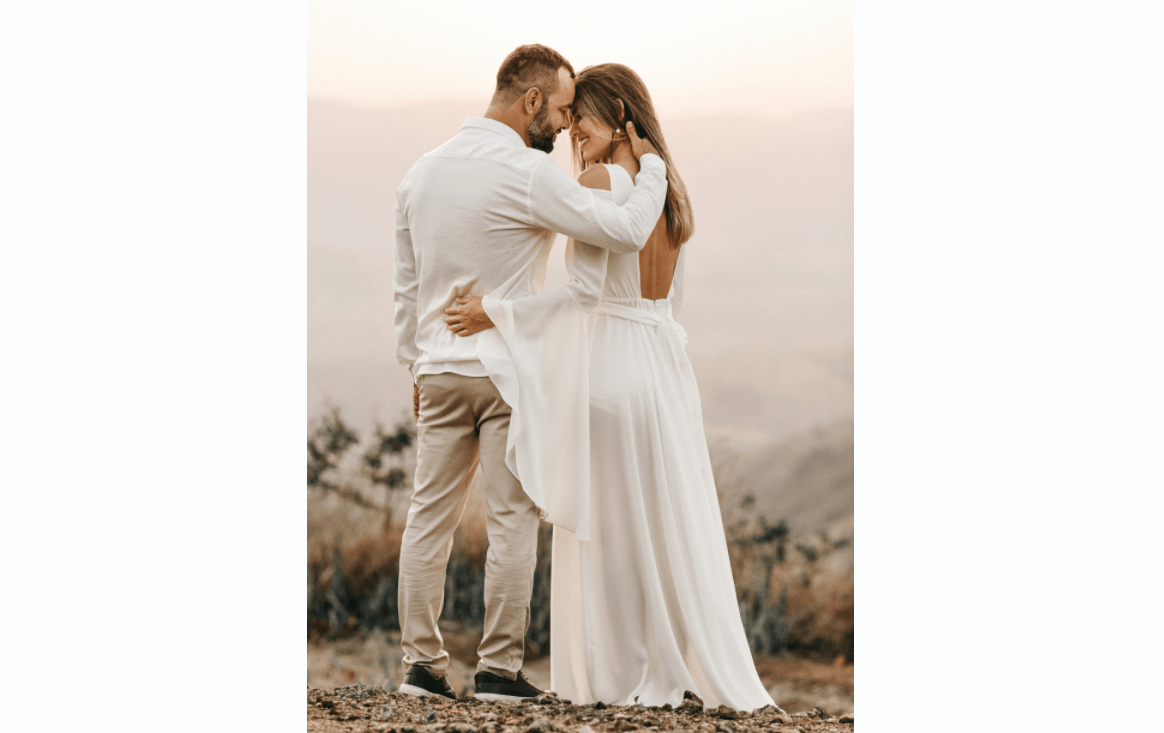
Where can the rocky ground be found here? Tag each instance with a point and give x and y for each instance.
(797, 685)
(361, 707)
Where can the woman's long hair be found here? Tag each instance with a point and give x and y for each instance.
(597, 90)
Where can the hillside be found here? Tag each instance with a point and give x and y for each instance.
(806, 481)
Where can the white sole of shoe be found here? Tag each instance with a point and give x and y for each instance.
(417, 691)
(494, 697)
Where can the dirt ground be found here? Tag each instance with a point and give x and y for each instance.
(797, 685)
(364, 708)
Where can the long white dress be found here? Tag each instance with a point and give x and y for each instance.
(645, 608)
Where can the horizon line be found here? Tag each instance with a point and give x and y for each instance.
(448, 101)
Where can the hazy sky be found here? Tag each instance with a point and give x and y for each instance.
(771, 58)
(757, 102)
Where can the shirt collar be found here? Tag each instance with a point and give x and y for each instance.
(500, 128)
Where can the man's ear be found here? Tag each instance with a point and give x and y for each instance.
(532, 101)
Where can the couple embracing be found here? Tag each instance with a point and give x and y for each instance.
(578, 403)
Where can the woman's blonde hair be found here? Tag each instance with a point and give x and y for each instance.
(597, 91)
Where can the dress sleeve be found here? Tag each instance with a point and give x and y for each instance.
(538, 355)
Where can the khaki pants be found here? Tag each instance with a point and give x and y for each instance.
(463, 421)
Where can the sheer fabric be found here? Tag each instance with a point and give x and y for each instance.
(538, 357)
(643, 602)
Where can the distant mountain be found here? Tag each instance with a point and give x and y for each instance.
(757, 396)
(806, 481)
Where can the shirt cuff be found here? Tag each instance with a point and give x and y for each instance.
(650, 159)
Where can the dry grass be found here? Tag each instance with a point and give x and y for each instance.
(796, 592)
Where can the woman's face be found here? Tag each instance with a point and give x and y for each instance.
(592, 135)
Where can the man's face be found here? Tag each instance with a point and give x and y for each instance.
(554, 116)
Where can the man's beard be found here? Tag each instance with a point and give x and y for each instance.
(541, 132)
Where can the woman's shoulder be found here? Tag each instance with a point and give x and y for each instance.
(595, 176)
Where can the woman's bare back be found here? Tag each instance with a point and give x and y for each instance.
(657, 263)
(658, 258)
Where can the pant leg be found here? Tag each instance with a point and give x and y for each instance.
(446, 460)
(512, 522)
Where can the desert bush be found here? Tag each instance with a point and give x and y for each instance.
(799, 602)
(795, 594)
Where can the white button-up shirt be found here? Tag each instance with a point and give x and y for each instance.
(473, 212)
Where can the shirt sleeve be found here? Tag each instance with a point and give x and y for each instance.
(405, 287)
(560, 203)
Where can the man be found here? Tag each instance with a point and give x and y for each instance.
(469, 215)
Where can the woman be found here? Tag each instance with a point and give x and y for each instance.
(644, 609)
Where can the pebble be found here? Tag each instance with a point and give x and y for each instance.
(724, 712)
(846, 718)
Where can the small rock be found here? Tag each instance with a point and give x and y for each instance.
(689, 695)
(600, 705)
(724, 713)
(846, 718)
(385, 712)
(690, 706)
(430, 717)
(819, 713)
(460, 728)
(540, 724)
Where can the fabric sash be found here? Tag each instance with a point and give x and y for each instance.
(666, 327)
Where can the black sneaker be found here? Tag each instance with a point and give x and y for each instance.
(419, 681)
(491, 687)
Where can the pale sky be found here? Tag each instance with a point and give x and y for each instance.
(772, 58)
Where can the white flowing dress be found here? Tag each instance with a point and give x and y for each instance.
(644, 608)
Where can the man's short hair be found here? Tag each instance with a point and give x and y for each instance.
(532, 65)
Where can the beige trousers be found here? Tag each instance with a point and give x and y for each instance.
(463, 422)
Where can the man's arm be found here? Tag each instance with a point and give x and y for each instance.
(560, 203)
(405, 287)
(585, 265)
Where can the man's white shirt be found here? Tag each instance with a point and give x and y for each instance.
(472, 213)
